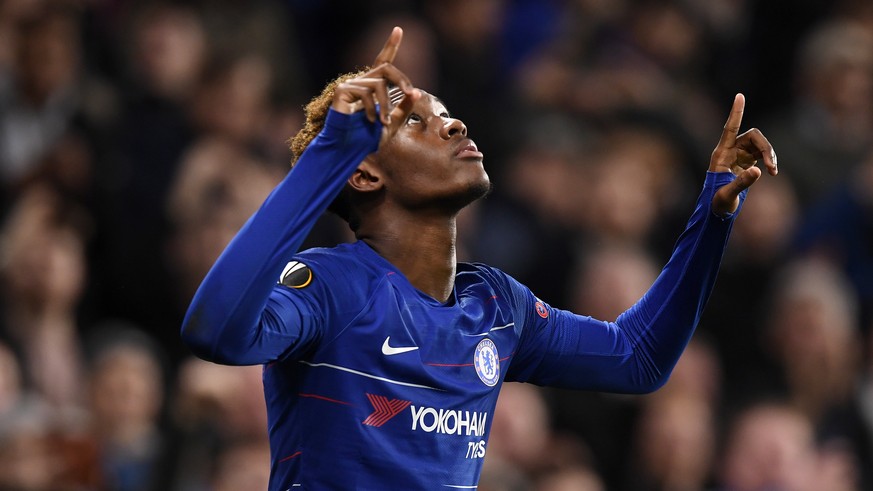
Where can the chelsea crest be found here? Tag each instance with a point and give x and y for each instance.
(487, 362)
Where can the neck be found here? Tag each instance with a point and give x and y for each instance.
(422, 248)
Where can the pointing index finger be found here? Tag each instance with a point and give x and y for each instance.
(389, 51)
(732, 126)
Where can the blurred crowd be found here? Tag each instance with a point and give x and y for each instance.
(137, 137)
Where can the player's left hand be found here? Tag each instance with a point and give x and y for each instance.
(738, 154)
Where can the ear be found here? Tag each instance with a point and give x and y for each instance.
(367, 177)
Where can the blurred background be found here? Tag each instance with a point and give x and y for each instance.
(136, 138)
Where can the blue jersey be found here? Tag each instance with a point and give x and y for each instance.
(373, 385)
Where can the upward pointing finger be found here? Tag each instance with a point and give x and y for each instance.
(389, 51)
(732, 127)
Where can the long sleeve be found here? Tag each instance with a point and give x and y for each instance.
(637, 352)
(228, 320)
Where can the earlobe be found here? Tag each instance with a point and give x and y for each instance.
(366, 177)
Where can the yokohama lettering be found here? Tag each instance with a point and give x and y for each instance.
(449, 421)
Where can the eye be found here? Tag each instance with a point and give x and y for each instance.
(413, 119)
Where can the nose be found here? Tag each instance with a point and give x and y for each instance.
(451, 126)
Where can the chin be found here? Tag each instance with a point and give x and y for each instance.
(461, 194)
(474, 191)
(481, 189)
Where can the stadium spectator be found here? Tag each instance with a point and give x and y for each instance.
(771, 445)
(126, 396)
(840, 229)
(217, 187)
(814, 335)
(214, 409)
(44, 94)
(830, 122)
(44, 278)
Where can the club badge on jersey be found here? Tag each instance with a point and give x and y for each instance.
(487, 362)
(296, 275)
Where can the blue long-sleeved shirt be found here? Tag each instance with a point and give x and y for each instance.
(371, 384)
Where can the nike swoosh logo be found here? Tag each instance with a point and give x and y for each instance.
(389, 350)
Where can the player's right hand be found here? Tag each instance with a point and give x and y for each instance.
(364, 92)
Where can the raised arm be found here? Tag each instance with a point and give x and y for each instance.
(226, 321)
(637, 352)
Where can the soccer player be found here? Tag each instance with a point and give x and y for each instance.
(383, 358)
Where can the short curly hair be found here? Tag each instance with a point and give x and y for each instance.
(316, 113)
